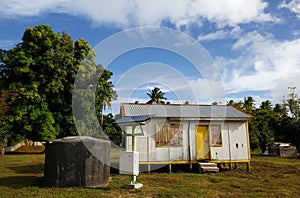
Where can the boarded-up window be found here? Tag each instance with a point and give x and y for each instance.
(168, 135)
(215, 135)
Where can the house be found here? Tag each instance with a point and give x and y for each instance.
(186, 133)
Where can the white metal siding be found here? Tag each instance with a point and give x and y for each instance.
(141, 146)
(238, 141)
(148, 150)
(222, 152)
(193, 127)
(234, 143)
(233, 133)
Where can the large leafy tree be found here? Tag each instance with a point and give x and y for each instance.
(93, 92)
(42, 69)
(7, 97)
(262, 126)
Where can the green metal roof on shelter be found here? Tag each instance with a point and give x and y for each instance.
(184, 111)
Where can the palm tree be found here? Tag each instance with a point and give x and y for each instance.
(156, 96)
(249, 105)
(104, 93)
(267, 105)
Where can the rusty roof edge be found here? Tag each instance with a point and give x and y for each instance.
(248, 116)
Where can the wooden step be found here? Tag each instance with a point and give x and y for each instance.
(206, 167)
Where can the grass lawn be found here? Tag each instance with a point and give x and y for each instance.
(21, 175)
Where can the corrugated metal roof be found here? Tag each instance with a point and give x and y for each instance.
(184, 111)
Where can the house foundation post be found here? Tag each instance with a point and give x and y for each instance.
(229, 165)
(235, 165)
(248, 166)
(170, 168)
(191, 167)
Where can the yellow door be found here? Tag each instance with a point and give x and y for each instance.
(202, 143)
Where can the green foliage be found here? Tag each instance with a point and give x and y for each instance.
(104, 92)
(42, 70)
(272, 123)
(7, 97)
(261, 128)
(93, 91)
(113, 131)
(293, 103)
(156, 96)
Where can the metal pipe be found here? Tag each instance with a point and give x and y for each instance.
(133, 181)
(189, 144)
(229, 141)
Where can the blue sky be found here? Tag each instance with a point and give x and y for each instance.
(255, 44)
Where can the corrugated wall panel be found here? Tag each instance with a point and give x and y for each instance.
(177, 154)
(234, 143)
(222, 153)
(166, 153)
(160, 154)
(238, 141)
(141, 144)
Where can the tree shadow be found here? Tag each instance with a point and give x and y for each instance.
(35, 169)
(17, 182)
(25, 152)
(26, 175)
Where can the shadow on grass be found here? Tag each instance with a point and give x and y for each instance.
(26, 176)
(35, 169)
(17, 182)
(23, 153)
(158, 168)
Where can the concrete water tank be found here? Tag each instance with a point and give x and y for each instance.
(77, 161)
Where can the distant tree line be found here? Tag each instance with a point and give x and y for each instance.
(270, 122)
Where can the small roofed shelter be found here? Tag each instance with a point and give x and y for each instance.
(188, 134)
(129, 161)
(282, 149)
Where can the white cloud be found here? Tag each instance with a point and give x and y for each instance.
(281, 91)
(218, 35)
(253, 38)
(7, 44)
(221, 34)
(114, 12)
(296, 32)
(145, 12)
(266, 64)
(170, 80)
(15, 8)
(232, 12)
(293, 6)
